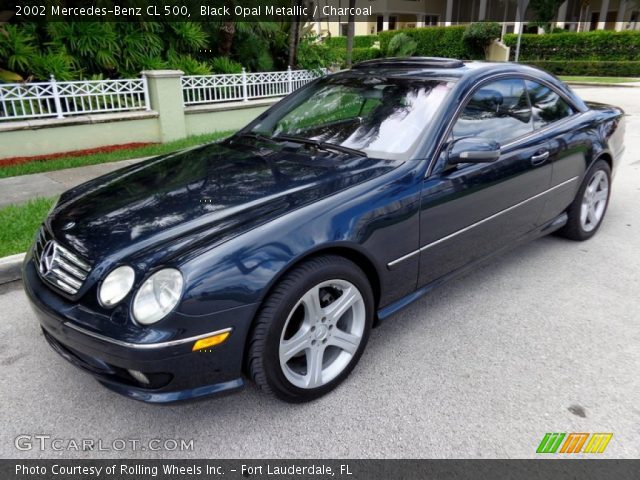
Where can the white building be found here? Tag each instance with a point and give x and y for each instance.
(574, 15)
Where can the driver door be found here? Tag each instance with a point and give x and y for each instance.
(471, 210)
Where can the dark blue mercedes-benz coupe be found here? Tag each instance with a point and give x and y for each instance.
(270, 255)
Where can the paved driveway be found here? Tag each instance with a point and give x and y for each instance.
(545, 339)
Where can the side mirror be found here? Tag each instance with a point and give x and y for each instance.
(473, 150)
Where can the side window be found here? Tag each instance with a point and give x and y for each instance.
(547, 105)
(498, 111)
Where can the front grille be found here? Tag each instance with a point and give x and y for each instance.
(58, 266)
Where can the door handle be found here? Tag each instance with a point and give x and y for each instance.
(540, 158)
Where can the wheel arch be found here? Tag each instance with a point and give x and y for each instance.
(606, 156)
(349, 252)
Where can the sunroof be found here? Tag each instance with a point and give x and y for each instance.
(424, 62)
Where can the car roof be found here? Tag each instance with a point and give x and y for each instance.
(449, 69)
(438, 67)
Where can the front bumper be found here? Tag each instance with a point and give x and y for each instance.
(174, 372)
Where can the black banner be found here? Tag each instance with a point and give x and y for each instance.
(391, 11)
(318, 469)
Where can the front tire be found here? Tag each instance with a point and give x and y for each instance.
(312, 329)
(587, 210)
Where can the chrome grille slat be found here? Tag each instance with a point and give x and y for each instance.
(69, 268)
(68, 279)
(73, 258)
(64, 286)
(60, 267)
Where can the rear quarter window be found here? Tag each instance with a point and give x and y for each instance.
(547, 105)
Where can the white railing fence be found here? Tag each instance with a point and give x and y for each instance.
(201, 89)
(62, 99)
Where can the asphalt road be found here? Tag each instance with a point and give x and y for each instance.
(544, 339)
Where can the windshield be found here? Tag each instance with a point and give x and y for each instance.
(382, 117)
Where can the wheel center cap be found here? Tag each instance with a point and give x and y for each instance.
(321, 332)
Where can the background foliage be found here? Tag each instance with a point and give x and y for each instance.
(433, 42)
(600, 45)
(593, 68)
(478, 36)
(402, 45)
(93, 50)
(597, 53)
(75, 50)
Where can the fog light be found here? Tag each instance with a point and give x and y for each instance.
(139, 376)
(210, 341)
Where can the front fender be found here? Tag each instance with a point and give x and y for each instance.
(377, 222)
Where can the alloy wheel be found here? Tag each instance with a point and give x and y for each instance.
(322, 333)
(594, 201)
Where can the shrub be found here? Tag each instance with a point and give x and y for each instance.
(589, 67)
(362, 54)
(432, 41)
(225, 65)
(601, 45)
(359, 41)
(314, 56)
(188, 64)
(478, 37)
(58, 64)
(402, 45)
(17, 47)
(253, 55)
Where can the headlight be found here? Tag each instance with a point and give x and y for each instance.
(157, 296)
(116, 286)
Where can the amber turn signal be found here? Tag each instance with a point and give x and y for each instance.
(209, 342)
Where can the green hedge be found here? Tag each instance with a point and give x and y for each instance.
(600, 45)
(433, 42)
(589, 67)
(359, 41)
(362, 54)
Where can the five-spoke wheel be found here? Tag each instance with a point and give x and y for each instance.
(594, 201)
(322, 333)
(586, 212)
(312, 329)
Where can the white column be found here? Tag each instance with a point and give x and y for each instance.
(385, 22)
(517, 26)
(482, 12)
(318, 28)
(448, 16)
(562, 14)
(420, 20)
(622, 10)
(602, 20)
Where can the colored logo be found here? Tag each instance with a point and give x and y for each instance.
(574, 442)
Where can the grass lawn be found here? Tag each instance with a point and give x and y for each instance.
(568, 78)
(146, 151)
(18, 224)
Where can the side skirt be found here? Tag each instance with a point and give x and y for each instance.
(550, 227)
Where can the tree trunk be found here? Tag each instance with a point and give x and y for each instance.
(227, 32)
(294, 35)
(351, 26)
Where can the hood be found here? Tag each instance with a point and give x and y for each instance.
(199, 196)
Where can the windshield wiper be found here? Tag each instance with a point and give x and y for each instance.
(255, 135)
(320, 145)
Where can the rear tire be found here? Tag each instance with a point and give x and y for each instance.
(312, 329)
(588, 209)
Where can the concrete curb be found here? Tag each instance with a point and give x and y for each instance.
(608, 85)
(11, 268)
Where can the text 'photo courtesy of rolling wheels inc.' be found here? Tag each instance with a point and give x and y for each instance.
(319, 239)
